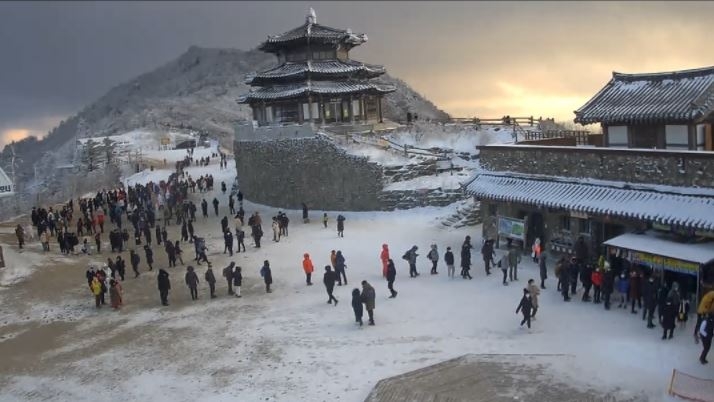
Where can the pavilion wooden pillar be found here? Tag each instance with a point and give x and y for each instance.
(309, 108)
(322, 110)
(264, 117)
(379, 108)
(363, 107)
(299, 108)
(352, 112)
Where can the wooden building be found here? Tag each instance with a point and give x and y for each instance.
(316, 81)
(669, 110)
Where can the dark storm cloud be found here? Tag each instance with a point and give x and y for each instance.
(471, 58)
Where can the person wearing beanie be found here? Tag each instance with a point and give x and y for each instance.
(524, 307)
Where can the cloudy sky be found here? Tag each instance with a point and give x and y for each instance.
(482, 59)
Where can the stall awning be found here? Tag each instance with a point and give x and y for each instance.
(701, 253)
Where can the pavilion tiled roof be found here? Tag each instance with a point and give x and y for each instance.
(316, 33)
(679, 96)
(291, 70)
(666, 205)
(314, 87)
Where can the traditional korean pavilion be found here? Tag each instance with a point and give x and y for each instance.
(316, 80)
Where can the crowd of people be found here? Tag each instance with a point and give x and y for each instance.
(149, 209)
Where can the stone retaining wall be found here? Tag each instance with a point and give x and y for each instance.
(287, 172)
(675, 168)
(406, 199)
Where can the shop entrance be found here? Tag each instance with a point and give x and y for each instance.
(535, 229)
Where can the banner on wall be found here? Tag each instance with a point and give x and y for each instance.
(512, 228)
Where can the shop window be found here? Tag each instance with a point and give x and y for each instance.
(565, 222)
(584, 226)
(323, 54)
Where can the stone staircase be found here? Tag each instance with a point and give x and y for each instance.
(468, 213)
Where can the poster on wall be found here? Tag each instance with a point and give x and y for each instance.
(511, 228)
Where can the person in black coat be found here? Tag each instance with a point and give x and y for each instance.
(329, 280)
(184, 231)
(240, 236)
(164, 286)
(667, 318)
(543, 270)
(158, 235)
(192, 282)
(574, 272)
(267, 275)
(215, 206)
(608, 284)
(120, 267)
(586, 280)
(149, 256)
(357, 305)
(228, 240)
(340, 268)
(237, 281)
(204, 208)
(228, 274)
(304, 213)
(565, 285)
(649, 296)
(525, 307)
(340, 226)
(189, 226)
(211, 280)
(391, 276)
(466, 258)
(449, 261)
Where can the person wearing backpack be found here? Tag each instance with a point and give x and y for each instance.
(267, 275)
(391, 276)
(228, 274)
(237, 281)
(449, 260)
(411, 256)
(211, 280)
(433, 256)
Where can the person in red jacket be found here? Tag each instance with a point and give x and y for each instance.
(384, 256)
(596, 278)
(307, 266)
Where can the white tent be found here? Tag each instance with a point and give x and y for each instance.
(6, 186)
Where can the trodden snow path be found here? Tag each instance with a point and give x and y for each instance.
(290, 345)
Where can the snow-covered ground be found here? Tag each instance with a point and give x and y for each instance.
(290, 345)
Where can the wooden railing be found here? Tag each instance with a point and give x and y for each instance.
(582, 137)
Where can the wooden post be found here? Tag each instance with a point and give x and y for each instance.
(322, 110)
(379, 107)
(352, 114)
(309, 108)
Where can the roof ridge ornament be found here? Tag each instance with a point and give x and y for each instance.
(311, 17)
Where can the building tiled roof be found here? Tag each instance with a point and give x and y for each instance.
(314, 87)
(678, 96)
(293, 70)
(649, 203)
(316, 33)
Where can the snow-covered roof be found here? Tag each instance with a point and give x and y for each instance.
(650, 203)
(315, 34)
(292, 70)
(649, 242)
(314, 87)
(677, 96)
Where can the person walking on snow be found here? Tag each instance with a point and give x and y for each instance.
(340, 226)
(449, 260)
(706, 332)
(192, 282)
(543, 270)
(308, 268)
(237, 281)
(324, 220)
(368, 298)
(357, 305)
(466, 258)
(329, 279)
(211, 280)
(149, 256)
(411, 256)
(134, 259)
(503, 264)
(164, 286)
(391, 276)
(384, 257)
(649, 297)
(534, 292)
(228, 274)
(487, 253)
(340, 268)
(525, 308)
(433, 256)
(215, 205)
(204, 208)
(267, 275)
(514, 258)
